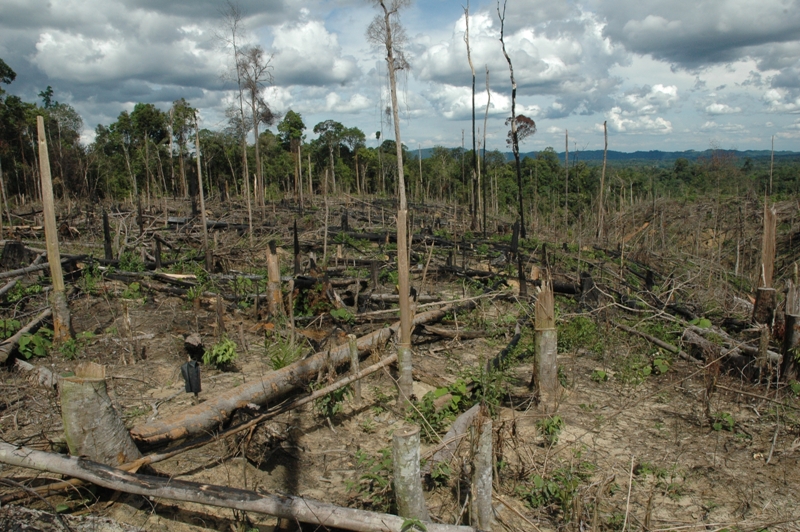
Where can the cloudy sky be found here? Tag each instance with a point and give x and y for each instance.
(664, 74)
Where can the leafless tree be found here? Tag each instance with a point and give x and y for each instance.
(255, 71)
(514, 138)
(474, 210)
(232, 21)
(386, 31)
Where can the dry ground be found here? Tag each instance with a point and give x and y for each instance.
(635, 447)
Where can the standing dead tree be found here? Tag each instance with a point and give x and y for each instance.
(385, 30)
(474, 208)
(513, 136)
(255, 69)
(232, 19)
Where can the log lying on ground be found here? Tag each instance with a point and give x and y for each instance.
(206, 416)
(660, 343)
(303, 510)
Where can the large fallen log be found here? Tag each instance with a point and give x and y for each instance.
(288, 507)
(206, 416)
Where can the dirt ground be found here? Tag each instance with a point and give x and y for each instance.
(630, 445)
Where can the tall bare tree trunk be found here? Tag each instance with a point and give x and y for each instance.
(62, 323)
(406, 379)
(600, 207)
(514, 136)
(474, 209)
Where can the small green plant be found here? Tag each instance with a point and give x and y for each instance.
(8, 327)
(389, 277)
(194, 293)
(36, 345)
(411, 525)
(332, 403)
(20, 292)
(131, 262)
(441, 473)
(221, 355)
(563, 380)
(90, 279)
(703, 323)
(660, 365)
(599, 375)
(368, 426)
(343, 315)
(281, 352)
(70, 348)
(557, 491)
(374, 488)
(579, 333)
(795, 387)
(723, 421)
(549, 428)
(132, 291)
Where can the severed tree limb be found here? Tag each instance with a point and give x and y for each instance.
(9, 344)
(303, 510)
(660, 343)
(206, 416)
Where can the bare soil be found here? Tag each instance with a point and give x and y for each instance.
(636, 447)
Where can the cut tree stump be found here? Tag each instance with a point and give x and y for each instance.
(91, 425)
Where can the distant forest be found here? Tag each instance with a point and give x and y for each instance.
(151, 153)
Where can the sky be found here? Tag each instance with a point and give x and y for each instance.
(664, 74)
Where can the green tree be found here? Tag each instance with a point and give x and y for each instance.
(330, 135)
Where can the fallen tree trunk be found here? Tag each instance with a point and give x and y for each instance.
(660, 343)
(303, 510)
(150, 459)
(206, 416)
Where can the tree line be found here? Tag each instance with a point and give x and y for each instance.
(151, 152)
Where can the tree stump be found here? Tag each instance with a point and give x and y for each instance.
(91, 425)
(764, 308)
(407, 482)
(546, 365)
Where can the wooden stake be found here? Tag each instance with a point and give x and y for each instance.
(62, 324)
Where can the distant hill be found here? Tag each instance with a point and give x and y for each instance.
(654, 156)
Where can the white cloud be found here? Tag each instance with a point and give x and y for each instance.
(306, 53)
(714, 126)
(650, 100)
(722, 109)
(618, 121)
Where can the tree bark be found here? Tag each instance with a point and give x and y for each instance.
(289, 507)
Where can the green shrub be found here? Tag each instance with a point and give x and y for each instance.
(556, 491)
(36, 345)
(8, 327)
(549, 428)
(222, 354)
